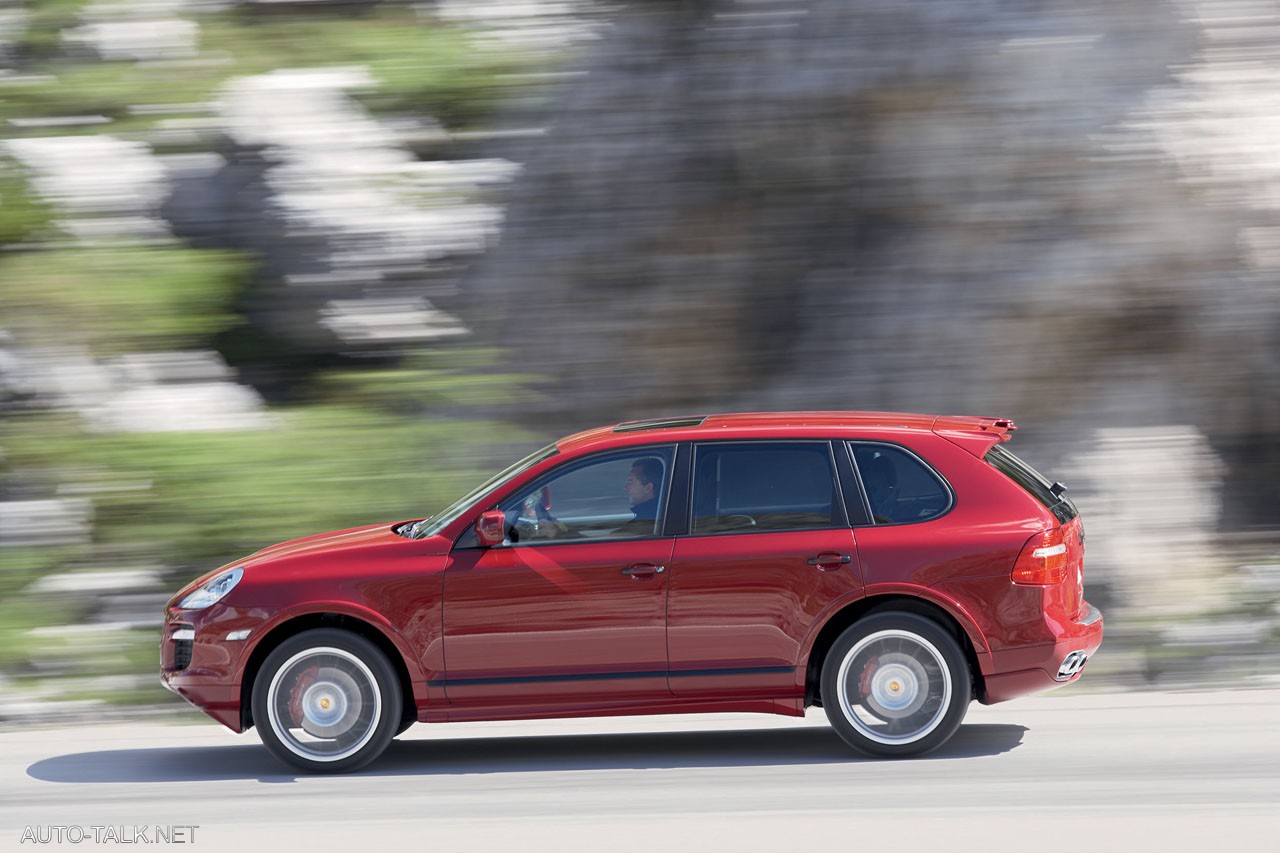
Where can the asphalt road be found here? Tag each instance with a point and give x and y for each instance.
(1122, 771)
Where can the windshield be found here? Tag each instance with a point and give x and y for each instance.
(432, 525)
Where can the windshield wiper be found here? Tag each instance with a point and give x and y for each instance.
(409, 529)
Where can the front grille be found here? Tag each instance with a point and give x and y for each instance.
(182, 639)
(182, 653)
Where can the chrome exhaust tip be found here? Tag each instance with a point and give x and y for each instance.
(1071, 665)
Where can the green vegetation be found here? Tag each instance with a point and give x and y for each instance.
(42, 36)
(123, 298)
(210, 497)
(22, 214)
(420, 66)
(359, 442)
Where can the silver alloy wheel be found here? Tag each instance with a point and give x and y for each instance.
(324, 704)
(894, 687)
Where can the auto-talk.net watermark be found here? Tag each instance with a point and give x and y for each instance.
(117, 834)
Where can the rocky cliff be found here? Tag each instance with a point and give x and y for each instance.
(1061, 213)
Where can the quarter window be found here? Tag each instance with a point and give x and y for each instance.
(1035, 483)
(764, 486)
(899, 487)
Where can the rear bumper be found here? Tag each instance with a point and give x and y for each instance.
(1011, 673)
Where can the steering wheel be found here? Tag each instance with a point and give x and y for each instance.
(535, 519)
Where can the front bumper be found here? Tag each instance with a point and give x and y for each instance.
(202, 655)
(1011, 673)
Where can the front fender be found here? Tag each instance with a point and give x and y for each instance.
(412, 661)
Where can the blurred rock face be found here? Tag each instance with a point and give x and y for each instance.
(972, 207)
(104, 187)
(349, 227)
(1151, 490)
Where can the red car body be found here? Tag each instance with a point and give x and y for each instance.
(677, 621)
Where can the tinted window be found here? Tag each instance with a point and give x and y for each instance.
(618, 495)
(1032, 481)
(759, 486)
(899, 487)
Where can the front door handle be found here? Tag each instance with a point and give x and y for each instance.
(829, 561)
(644, 570)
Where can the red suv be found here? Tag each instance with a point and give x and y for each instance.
(887, 567)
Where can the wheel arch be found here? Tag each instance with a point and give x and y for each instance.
(306, 622)
(897, 602)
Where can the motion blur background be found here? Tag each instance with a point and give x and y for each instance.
(273, 267)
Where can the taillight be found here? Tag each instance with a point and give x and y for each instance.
(1043, 560)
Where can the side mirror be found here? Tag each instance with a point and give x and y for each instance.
(491, 528)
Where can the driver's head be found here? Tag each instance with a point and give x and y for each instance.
(642, 483)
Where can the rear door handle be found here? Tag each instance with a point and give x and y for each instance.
(644, 570)
(829, 561)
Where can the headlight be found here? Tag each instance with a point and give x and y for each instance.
(211, 592)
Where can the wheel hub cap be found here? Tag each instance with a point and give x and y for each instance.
(895, 687)
(324, 704)
(331, 705)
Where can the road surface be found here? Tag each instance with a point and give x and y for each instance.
(1085, 772)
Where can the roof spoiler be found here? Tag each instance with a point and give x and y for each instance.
(977, 435)
(1002, 425)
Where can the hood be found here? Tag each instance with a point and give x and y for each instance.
(354, 537)
(284, 555)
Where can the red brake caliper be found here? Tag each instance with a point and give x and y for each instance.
(300, 684)
(864, 683)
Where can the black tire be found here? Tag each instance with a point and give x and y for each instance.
(326, 701)
(895, 685)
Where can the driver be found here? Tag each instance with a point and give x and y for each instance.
(643, 485)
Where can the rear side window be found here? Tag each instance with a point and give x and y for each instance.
(761, 486)
(1032, 481)
(900, 488)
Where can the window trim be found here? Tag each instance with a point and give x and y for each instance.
(568, 467)
(855, 495)
(680, 495)
(862, 489)
(839, 513)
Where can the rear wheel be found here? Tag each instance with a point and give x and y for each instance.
(895, 685)
(327, 701)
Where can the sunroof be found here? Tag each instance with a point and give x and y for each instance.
(660, 423)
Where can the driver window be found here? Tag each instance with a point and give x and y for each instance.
(616, 496)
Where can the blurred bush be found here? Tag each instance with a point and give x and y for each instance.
(133, 453)
(119, 299)
(23, 215)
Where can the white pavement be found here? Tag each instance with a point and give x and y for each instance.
(1088, 773)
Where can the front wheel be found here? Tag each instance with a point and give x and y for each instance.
(895, 685)
(326, 701)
